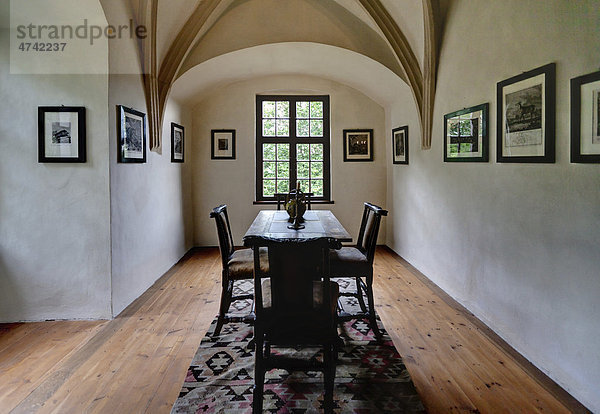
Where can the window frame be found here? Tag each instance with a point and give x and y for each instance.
(293, 140)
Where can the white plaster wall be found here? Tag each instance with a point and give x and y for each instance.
(290, 58)
(54, 231)
(232, 181)
(517, 244)
(150, 202)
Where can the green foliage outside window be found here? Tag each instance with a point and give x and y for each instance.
(316, 109)
(269, 152)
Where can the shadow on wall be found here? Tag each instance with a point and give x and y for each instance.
(10, 297)
(187, 213)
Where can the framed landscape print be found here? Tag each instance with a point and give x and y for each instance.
(131, 135)
(526, 116)
(358, 145)
(177, 133)
(400, 145)
(61, 134)
(466, 135)
(222, 144)
(585, 118)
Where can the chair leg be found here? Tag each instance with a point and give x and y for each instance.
(372, 316)
(329, 377)
(259, 376)
(226, 292)
(359, 295)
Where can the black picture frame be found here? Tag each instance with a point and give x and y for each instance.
(473, 145)
(526, 117)
(222, 144)
(131, 135)
(358, 145)
(585, 119)
(177, 142)
(400, 145)
(61, 134)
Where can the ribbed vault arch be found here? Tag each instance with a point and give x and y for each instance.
(159, 78)
(291, 58)
(258, 22)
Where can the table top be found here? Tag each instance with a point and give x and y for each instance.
(318, 223)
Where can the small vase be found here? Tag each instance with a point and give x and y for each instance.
(290, 207)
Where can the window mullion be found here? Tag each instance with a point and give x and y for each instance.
(259, 151)
(293, 140)
(276, 167)
(326, 150)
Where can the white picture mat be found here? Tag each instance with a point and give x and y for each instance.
(227, 136)
(472, 115)
(528, 150)
(65, 150)
(589, 112)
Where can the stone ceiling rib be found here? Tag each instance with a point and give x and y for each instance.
(158, 80)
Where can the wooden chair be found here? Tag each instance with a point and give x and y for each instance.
(237, 265)
(357, 262)
(295, 306)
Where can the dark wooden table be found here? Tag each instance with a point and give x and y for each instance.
(318, 223)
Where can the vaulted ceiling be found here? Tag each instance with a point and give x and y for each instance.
(352, 41)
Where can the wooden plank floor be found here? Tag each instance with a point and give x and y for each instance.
(136, 363)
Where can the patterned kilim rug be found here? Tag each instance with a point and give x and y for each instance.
(370, 377)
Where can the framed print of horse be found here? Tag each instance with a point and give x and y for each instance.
(526, 116)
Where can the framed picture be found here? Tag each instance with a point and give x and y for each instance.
(222, 144)
(358, 145)
(585, 118)
(400, 145)
(466, 135)
(177, 133)
(131, 135)
(61, 134)
(526, 116)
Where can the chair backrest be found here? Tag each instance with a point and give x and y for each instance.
(280, 197)
(293, 266)
(224, 232)
(369, 230)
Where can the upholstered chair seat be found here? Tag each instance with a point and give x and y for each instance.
(349, 261)
(241, 263)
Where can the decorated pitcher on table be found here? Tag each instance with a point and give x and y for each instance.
(295, 204)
